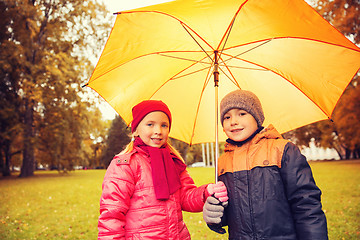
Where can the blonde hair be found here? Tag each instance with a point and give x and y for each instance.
(173, 150)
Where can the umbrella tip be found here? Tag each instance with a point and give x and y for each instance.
(85, 85)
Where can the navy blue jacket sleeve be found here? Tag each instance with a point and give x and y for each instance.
(303, 195)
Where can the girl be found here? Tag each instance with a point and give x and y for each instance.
(146, 186)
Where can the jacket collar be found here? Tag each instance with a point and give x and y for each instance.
(239, 144)
(266, 133)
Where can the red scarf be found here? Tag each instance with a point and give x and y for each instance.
(166, 169)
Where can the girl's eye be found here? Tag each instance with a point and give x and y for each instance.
(242, 113)
(149, 124)
(226, 117)
(165, 126)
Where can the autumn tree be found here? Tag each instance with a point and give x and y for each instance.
(343, 15)
(181, 147)
(347, 123)
(194, 154)
(117, 138)
(10, 120)
(48, 49)
(95, 143)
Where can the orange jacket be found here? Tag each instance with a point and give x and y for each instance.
(129, 208)
(272, 193)
(265, 149)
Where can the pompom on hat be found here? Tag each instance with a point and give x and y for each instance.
(245, 100)
(142, 109)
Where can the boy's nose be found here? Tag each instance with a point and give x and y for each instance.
(233, 121)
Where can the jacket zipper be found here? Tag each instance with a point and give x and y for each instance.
(250, 197)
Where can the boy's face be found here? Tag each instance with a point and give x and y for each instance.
(153, 129)
(239, 125)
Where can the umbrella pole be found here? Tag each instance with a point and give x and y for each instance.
(216, 82)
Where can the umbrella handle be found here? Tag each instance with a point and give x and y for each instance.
(216, 82)
(216, 135)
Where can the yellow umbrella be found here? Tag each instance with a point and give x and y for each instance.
(282, 50)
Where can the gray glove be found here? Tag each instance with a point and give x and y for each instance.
(213, 210)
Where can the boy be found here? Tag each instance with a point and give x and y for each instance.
(271, 190)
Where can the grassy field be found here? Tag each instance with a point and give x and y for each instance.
(65, 206)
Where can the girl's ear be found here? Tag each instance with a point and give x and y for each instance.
(134, 135)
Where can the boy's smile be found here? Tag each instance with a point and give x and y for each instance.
(239, 125)
(237, 130)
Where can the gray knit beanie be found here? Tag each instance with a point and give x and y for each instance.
(244, 100)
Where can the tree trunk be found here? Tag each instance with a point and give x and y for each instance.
(6, 168)
(347, 153)
(339, 153)
(1, 159)
(357, 153)
(28, 166)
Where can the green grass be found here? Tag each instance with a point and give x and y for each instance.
(51, 206)
(66, 206)
(340, 184)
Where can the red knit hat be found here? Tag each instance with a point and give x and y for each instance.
(142, 109)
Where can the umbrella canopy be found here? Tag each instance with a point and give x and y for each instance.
(282, 50)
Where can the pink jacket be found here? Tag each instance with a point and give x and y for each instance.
(129, 208)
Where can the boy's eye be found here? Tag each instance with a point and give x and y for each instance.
(149, 124)
(165, 126)
(226, 117)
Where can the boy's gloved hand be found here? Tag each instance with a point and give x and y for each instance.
(219, 191)
(213, 210)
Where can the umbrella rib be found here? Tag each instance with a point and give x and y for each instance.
(180, 58)
(177, 75)
(301, 38)
(202, 92)
(183, 25)
(265, 68)
(187, 74)
(153, 53)
(263, 43)
(232, 78)
(245, 68)
(288, 82)
(198, 106)
(181, 22)
(228, 30)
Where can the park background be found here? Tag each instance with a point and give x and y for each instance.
(50, 125)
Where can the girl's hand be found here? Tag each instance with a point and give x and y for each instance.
(218, 190)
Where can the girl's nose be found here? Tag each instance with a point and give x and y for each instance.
(157, 129)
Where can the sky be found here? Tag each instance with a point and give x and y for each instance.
(121, 5)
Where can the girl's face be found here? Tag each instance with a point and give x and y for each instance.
(153, 129)
(239, 125)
